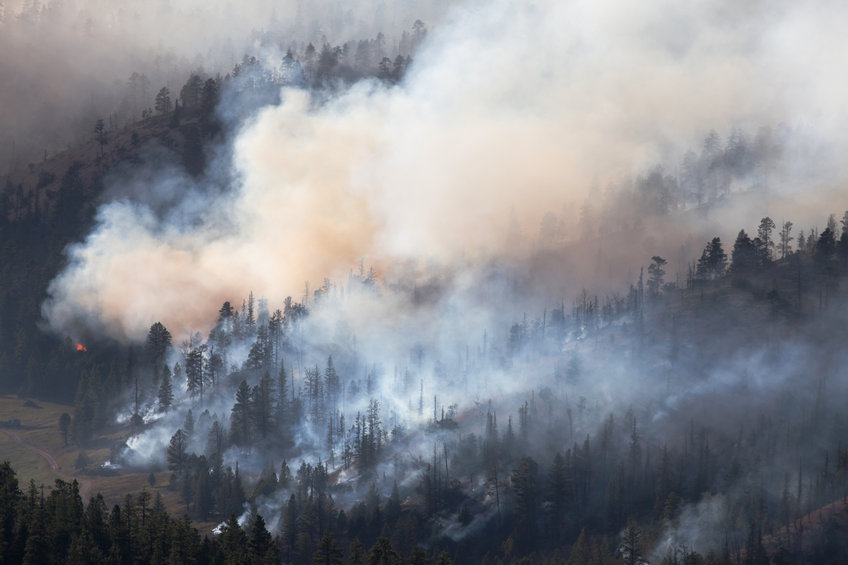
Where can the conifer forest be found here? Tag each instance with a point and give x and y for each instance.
(423, 283)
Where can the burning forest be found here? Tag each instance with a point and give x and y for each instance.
(453, 282)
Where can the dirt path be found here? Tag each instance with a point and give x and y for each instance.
(84, 484)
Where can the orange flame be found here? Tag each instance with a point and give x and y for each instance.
(81, 347)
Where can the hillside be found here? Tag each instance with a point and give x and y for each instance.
(569, 287)
(48, 205)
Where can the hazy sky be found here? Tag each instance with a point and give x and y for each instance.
(66, 63)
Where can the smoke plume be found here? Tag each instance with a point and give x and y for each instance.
(509, 110)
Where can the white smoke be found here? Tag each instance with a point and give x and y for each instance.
(510, 110)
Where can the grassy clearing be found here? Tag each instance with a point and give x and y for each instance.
(27, 464)
(40, 428)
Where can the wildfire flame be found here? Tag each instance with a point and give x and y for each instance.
(81, 347)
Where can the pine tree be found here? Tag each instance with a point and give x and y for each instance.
(194, 371)
(37, 549)
(282, 407)
(327, 553)
(744, 256)
(786, 239)
(713, 261)
(526, 489)
(559, 494)
(177, 452)
(289, 534)
(233, 542)
(764, 234)
(158, 342)
(240, 416)
(444, 558)
(419, 556)
(382, 553)
(166, 391)
(215, 440)
(630, 548)
(188, 425)
(331, 382)
(163, 101)
(655, 275)
(262, 401)
(581, 551)
(185, 541)
(356, 553)
(261, 546)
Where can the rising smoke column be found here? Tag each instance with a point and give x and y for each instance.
(509, 110)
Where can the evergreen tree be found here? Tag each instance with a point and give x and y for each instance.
(764, 234)
(208, 100)
(289, 533)
(282, 412)
(215, 440)
(185, 542)
(166, 391)
(262, 397)
(744, 257)
(233, 543)
(581, 551)
(419, 556)
(260, 544)
(825, 246)
(655, 275)
(327, 553)
(713, 261)
(177, 452)
(842, 246)
(786, 239)
(158, 342)
(630, 548)
(332, 384)
(382, 553)
(194, 371)
(526, 489)
(162, 103)
(559, 494)
(37, 549)
(191, 91)
(393, 506)
(240, 416)
(188, 425)
(444, 558)
(356, 553)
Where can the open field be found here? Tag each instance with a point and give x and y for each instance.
(37, 452)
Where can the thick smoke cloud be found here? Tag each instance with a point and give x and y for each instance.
(509, 110)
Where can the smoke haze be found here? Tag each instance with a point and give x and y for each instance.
(67, 63)
(487, 189)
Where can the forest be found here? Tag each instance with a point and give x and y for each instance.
(544, 362)
(320, 450)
